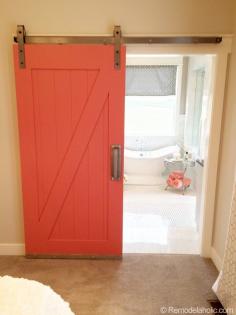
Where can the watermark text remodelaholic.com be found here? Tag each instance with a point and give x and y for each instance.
(194, 310)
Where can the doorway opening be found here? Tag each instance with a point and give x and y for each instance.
(167, 122)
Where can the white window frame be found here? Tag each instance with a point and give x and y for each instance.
(159, 59)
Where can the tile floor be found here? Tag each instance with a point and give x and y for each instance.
(159, 221)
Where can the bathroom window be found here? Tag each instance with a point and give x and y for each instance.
(150, 115)
(150, 103)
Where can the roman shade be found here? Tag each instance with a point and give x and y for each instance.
(151, 80)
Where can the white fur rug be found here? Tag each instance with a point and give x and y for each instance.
(19, 296)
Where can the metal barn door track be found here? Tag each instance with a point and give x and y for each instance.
(117, 39)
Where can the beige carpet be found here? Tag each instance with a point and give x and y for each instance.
(136, 285)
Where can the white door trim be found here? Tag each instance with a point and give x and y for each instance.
(221, 52)
(211, 162)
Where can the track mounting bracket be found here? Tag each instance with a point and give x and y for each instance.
(21, 41)
(117, 46)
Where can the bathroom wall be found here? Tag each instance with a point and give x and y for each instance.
(197, 173)
(91, 17)
(198, 63)
(181, 100)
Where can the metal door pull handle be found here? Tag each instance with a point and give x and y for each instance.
(116, 162)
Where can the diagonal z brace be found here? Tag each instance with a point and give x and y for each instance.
(21, 41)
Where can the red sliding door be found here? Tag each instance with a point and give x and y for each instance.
(71, 111)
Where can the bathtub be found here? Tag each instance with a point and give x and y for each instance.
(146, 167)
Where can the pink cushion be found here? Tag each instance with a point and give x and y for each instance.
(177, 180)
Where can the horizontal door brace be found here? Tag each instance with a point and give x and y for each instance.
(117, 39)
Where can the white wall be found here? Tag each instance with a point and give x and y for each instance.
(227, 161)
(77, 16)
(135, 16)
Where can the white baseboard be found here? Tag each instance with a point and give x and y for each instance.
(217, 260)
(12, 249)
